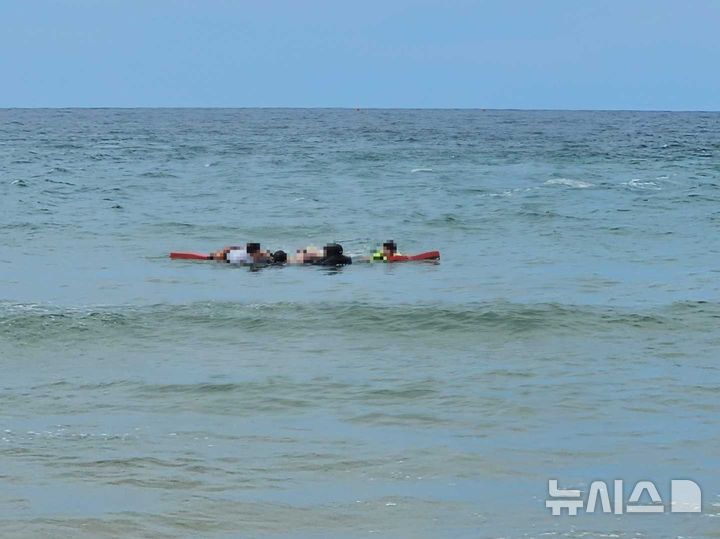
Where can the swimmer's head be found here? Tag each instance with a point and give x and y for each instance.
(390, 246)
(332, 249)
(279, 257)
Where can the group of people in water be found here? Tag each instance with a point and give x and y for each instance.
(331, 255)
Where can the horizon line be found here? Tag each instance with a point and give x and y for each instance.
(212, 107)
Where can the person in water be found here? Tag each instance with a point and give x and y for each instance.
(308, 255)
(389, 249)
(250, 255)
(333, 256)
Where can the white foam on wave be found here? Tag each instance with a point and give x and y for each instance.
(506, 192)
(413, 171)
(567, 182)
(638, 183)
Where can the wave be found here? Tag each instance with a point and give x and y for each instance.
(59, 182)
(157, 174)
(32, 323)
(567, 182)
(643, 185)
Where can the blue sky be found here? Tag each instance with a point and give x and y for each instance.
(633, 54)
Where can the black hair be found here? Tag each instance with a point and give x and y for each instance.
(251, 248)
(390, 245)
(333, 249)
(279, 257)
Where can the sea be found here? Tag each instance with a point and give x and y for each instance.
(569, 331)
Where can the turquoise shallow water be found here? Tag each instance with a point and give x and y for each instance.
(569, 331)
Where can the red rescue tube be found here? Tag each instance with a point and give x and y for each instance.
(429, 255)
(189, 256)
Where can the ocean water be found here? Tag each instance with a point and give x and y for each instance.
(569, 332)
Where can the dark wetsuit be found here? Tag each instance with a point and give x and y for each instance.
(333, 256)
(334, 260)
